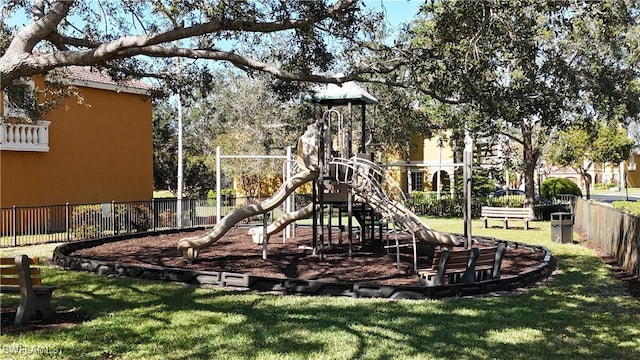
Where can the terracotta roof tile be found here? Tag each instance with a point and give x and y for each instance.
(87, 73)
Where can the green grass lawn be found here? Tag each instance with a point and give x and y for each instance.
(161, 194)
(583, 313)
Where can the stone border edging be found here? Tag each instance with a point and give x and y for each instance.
(528, 278)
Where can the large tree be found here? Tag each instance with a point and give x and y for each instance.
(580, 148)
(243, 117)
(525, 67)
(292, 40)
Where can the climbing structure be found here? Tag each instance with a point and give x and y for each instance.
(343, 180)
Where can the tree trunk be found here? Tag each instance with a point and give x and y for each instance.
(529, 164)
(587, 182)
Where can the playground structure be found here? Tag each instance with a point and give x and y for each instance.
(349, 182)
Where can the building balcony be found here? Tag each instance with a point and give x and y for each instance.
(24, 137)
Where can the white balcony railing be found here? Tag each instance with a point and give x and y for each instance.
(25, 137)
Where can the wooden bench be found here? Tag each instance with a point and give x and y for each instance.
(463, 266)
(489, 262)
(21, 275)
(507, 213)
(449, 266)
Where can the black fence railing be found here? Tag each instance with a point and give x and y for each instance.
(447, 205)
(31, 225)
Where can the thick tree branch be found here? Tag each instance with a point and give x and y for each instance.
(19, 60)
(239, 61)
(27, 38)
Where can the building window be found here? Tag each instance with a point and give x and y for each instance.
(417, 180)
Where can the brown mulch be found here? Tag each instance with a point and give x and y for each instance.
(237, 253)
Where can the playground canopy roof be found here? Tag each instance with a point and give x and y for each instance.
(333, 94)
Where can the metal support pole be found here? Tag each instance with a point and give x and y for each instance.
(180, 168)
(153, 214)
(314, 222)
(363, 145)
(14, 225)
(329, 224)
(264, 236)
(113, 217)
(350, 222)
(291, 198)
(218, 187)
(467, 174)
(67, 221)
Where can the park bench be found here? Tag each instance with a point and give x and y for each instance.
(449, 266)
(506, 214)
(21, 275)
(463, 266)
(489, 262)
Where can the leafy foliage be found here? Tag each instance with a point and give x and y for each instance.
(551, 188)
(524, 68)
(197, 176)
(580, 147)
(631, 207)
(140, 38)
(612, 145)
(240, 115)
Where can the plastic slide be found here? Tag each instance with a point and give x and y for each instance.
(286, 219)
(405, 219)
(190, 246)
(368, 190)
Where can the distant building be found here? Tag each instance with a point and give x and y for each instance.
(97, 151)
(602, 174)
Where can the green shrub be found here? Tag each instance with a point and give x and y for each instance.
(543, 211)
(225, 194)
(427, 203)
(142, 218)
(167, 218)
(504, 201)
(419, 197)
(631, 207)
(86, 221)
(604, 186)
(553, 187)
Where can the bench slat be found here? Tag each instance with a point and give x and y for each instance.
(14, 271)
(12, 261)
(10, 281)
(472, 265)
(505, 214)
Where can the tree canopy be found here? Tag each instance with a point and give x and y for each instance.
(292, 40)
(524, 68)
(579, 148)
(521, 68)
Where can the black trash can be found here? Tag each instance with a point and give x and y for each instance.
(562, 227)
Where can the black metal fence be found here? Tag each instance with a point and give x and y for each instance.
(30, 225)
(447, 205)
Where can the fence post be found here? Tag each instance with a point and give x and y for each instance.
(193, 217)
(67, 221)
(153, 214)
(114, 230)
(15, 225)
